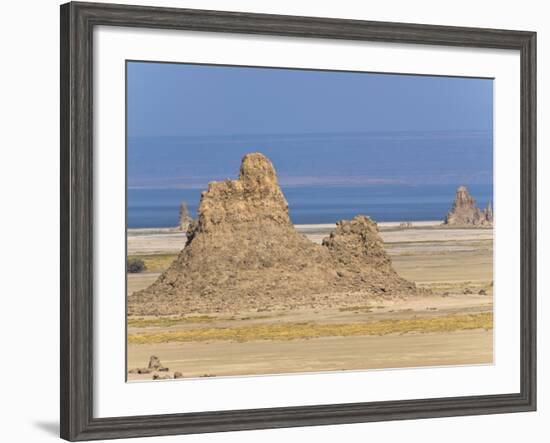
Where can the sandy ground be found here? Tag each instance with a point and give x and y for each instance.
(321, 354)
(456, 264)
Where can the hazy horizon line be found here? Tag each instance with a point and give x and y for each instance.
(416, 132)
(297, 182)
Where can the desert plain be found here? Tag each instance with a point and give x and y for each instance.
(451, 323)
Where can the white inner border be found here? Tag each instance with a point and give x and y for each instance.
(114, 397)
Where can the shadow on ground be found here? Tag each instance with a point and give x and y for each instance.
(49, 427)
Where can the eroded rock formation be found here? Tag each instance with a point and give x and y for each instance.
(465, 212)
(243, 253)
(185, 218)
(154, 365)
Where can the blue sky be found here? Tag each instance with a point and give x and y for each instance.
(197, 121)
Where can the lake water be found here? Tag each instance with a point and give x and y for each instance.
(152, 208)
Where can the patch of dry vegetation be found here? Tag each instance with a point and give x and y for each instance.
(155, 262)
(152, 322)
(141, 322)
(459, 287)
(293, 331)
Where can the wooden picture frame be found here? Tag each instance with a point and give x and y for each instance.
(77, 23)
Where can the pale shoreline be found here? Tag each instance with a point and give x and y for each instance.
(142, 241)
(299, 227)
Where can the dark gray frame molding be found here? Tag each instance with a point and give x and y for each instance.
(77, 23)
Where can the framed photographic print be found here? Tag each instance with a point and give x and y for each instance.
(272, 221)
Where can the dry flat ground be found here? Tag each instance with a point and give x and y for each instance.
(451, 326)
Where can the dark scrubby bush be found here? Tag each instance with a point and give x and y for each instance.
(135, 265)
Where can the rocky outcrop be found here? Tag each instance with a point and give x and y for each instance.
(161, 377)
(243, 253)
(185, 218)
(356, 243)
(154, 365)
(465, 213)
